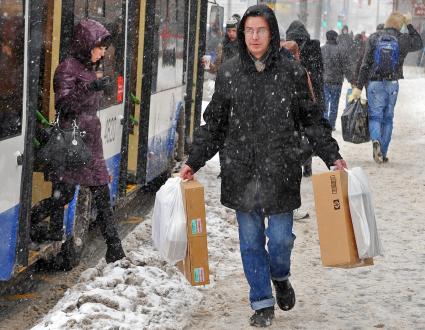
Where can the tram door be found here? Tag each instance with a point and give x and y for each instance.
(13, 35)
(112, 14)
(161, 80)
(167, 84)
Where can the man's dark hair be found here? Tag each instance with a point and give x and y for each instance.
(331, 35)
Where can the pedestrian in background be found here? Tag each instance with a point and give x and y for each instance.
(382, 67)
(260, 98)
(345, 40)
(336, 66)
(311, 59)
(227, 49)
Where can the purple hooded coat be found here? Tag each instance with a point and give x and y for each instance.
(75, 101)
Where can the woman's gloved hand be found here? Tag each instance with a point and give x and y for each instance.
(101, 84)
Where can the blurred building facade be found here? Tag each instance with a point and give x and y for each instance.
(322, 15)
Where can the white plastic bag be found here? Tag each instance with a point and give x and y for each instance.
(169, 222)
(363, 215)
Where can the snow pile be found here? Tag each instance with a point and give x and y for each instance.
(139, 292)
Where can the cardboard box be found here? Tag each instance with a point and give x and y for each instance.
(195, 265)
(194, 204)
(337, 242)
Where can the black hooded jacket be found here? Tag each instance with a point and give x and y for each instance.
(311, 57)
(252, 119)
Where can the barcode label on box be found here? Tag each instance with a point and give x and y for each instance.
(196, 226)
(199, 274)
(333, 184)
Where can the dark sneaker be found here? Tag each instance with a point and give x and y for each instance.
(114, 252)
(262, 317)
(285, 294)
(385, 159)
(377, 154)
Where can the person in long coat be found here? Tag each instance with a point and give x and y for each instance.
(78, 91)
(311, 59)
(260, 98)
(346, 42)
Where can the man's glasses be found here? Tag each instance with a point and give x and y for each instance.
(261, 32)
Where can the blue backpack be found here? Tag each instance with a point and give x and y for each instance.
(386, 56)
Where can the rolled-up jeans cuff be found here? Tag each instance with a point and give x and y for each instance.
(256, 305)
(281, 278)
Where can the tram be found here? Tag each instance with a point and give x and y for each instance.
(147, 122)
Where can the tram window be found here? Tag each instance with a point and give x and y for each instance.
(168, 46)
(110, 14)
(12, 27)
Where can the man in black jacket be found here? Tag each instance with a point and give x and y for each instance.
(336, 65)
(260, 98)
(382, 89)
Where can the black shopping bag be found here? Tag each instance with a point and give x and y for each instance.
(355, 124)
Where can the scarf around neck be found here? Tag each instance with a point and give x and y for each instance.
(260, 64)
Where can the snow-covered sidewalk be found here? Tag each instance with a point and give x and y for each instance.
(143, 292)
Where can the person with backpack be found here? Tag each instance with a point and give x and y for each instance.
(336, 66)
(382, 67)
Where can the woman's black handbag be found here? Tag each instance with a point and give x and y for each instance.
(64, 148)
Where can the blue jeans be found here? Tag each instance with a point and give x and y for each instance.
(259, 265)
(332, 94)
(382, 96)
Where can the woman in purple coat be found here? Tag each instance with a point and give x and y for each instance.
(78, 91)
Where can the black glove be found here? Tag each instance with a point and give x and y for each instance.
(101, 84)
